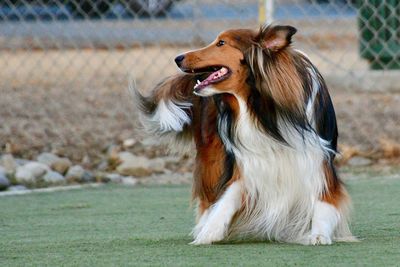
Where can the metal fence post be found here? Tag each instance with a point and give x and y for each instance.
(265, 11)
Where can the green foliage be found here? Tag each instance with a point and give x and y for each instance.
(121, 226)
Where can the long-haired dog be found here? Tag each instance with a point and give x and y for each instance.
(265, 134)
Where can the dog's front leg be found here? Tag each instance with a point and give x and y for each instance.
(219, 216)
(324, 222)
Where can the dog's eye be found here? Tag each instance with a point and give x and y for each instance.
(220, 43)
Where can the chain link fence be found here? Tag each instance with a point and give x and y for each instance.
(65, 65)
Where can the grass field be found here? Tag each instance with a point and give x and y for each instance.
(120, 226)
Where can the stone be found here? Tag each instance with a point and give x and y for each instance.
(53, 177)
(47, 158)
(23, 175)
(75, 173)
(36, 168)
(17, 188)
(133, 165)
(87, 177)
(58, 164)
(114, 177)
(86, 161)
(129, 181)
(21, 162)
(359, 161)
(130, 142)
(103, 166)
(157, 165)
(4, 182)
(2, 169)
(61, 165)
(30, 172)
(9, 163)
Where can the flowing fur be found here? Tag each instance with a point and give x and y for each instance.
(266, 139)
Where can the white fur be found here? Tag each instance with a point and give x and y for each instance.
(171, 116)
(326, 218)
(311, 101)
(207, 91)
(214, 224)
(282, 183)
(200, 222)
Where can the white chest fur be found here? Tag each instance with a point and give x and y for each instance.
(281, 182)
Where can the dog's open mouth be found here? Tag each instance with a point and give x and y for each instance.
(215, 74)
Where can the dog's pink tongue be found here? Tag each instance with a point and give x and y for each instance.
(212, 77)
(217, 74)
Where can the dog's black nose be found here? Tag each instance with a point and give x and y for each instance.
(179, 59)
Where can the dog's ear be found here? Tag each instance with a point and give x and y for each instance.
(275, 38)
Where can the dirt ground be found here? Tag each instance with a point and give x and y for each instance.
(76, 103)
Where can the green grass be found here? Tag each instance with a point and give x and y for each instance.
(119, 226)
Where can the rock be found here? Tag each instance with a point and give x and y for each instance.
(130, 181)
(2, 169)
(61, 165)
(157, 165)
(21, 162)
(17, 188)
(75, 173)
(129, 143)
(103, 166)
(9, 163)
(4, 182)
(119, 179)
(47, 158)
(31, 171)
(133, 165)
(36, 168)
(53, 177)
(86, 161)
(87, 177)
(359, 161)
(58, 164)
(114, 178)
(23, 175)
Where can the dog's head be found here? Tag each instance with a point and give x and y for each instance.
(223, 62)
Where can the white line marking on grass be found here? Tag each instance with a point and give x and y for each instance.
(49, 189)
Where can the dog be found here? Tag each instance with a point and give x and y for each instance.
(265, 136)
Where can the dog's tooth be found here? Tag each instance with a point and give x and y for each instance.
(198, 82)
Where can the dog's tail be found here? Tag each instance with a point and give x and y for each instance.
(167, 112)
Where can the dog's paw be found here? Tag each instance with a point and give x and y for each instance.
(319, 239)
(209, 235)
(203, 220)
(197, 230)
